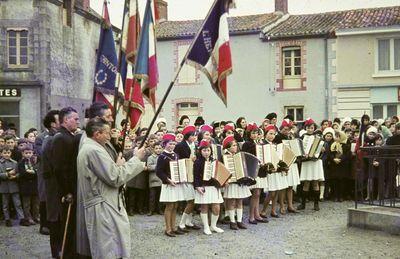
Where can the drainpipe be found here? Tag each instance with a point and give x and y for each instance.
(328, 100)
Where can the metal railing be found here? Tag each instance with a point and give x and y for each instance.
(378, 177)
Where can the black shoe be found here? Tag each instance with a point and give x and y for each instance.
(292, 211)
(170, 234)
(178, 232)
(9, 223)
(264, 216)
(194, 227)
(241, 225)
(302, 206)
(316, 200)
(226, 220)
(275, 215)
(262, 220)
(254, 222)
(233, 226)
(184, 230)
(44, 231)
(24, 222)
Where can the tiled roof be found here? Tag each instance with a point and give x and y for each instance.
(237, 25)
(328, 23)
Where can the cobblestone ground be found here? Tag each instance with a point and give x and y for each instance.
(309, 234)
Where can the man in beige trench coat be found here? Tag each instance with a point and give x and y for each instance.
(99, 179)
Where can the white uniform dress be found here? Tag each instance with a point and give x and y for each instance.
(212, 195)
(261, 183)
(277, 181)
(171, 193)
(312, 171)
(236, 191)
(293, 178)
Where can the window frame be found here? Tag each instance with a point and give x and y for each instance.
(295, 107)
(392, 71)
(292, 50)
(18, 48)
(384, 109)
(178, 46)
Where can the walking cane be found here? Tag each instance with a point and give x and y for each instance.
(65, 229)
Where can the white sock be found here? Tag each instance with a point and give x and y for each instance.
(239, 213)
(322, 188)
(213, 227)
(183, 220)
(189, 219)
(232, 215)
(204, 219)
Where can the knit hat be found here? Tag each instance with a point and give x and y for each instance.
(206, 128)
(308, 122)
(228, 127)
(204, 143)
(268, 128)
(227, 141)
(286, 123)
(252, 127)
(372, 129)
(188, 129)
(329, 130)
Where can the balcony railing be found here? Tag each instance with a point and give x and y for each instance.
(378, 177)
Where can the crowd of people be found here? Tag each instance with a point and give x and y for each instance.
(85, 177)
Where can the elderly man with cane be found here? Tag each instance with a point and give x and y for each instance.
(99, 179)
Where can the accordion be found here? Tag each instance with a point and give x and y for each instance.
(285, 154)
(216, 171)
(217, 151)
(312, 146)
(243, 167)
(296, 145)
(181, 170)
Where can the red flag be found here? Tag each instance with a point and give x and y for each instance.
(131, 30)
(133, 99)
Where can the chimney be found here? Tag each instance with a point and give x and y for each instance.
(281, 6)
(84, 4)
(162, 7)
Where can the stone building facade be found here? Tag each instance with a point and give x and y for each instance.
(47, 55)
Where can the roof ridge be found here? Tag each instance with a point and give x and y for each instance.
(346, 11)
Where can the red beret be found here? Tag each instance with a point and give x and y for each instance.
(206, 128)
(286, 123)
(168, 137)
(204, 143)
(188, 129)
(269, 127)
(227, 141)
(228, 127)
(308, 122)
(252, 127)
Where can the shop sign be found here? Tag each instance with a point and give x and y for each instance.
(10, 92)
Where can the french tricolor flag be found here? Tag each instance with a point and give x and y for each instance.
(211, 52)
(146, 64)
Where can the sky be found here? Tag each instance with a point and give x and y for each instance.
(197, 9)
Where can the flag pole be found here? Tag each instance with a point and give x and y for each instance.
(102, 15)
(171, 84)
(119, 68)
(128, 113)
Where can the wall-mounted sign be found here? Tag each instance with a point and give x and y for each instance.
(10, 92)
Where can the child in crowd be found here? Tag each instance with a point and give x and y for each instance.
(154, 182)
(11, 143)
(9, 186)
(207, 194)
(27, 170)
